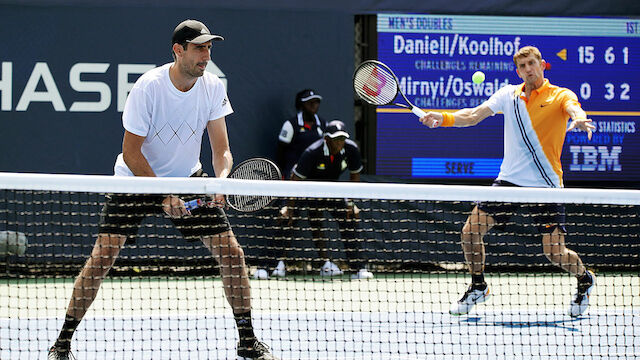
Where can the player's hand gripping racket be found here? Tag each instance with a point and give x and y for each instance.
(376, 84)
(251, 169)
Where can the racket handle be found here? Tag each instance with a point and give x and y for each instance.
(193, 204)
(419, 113)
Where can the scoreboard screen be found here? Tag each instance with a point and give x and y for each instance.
(434, 57)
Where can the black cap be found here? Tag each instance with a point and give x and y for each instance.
(309, 94)
(336, 128)
(193, 31)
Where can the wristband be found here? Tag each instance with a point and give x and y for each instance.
(447, 119)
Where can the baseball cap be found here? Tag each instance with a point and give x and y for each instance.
(335, 129)
(193, 31)
(309, 94)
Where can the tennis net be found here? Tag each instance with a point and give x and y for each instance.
(325, 283)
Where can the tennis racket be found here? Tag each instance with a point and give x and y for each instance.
(251, 169)
(375, 83)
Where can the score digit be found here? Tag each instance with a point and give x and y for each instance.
(609, 56)
(585, 54)
(610, 91)
(624, 95)
(585, 91)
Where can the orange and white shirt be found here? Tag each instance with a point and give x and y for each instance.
(534, 132)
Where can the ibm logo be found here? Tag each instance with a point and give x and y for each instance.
(595, 158)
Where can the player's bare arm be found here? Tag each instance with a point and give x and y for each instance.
(580, 120)
(220, 150)
(462, 118)
(139, 166)
(132, 155)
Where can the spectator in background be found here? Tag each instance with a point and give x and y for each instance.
(325, 160)
(300, 131)
(296, 135)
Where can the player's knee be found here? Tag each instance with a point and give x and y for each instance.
(232, 255)
(553, 254)
(105, 260)
(466, 229)
(467, 232)
(108, 246)
(98, 267)
(237, 254)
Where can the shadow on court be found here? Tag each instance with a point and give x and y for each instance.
(559, 324)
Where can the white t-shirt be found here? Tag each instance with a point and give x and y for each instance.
(172, 121)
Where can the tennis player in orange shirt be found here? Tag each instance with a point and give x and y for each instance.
(536, 115)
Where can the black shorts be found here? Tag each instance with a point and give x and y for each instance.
(123, 213)
(546, 217)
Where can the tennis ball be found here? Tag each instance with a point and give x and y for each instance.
(478, 77)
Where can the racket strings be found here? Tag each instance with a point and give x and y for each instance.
(253, 170)
(375, 84)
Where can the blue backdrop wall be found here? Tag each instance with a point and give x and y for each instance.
(66, 72)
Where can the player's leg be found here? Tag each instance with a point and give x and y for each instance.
(551, 225)
(119, 218)
(85, 288)
(477, 225)
(555, 250)
(104, 254)
(230, 257)
(235, 280)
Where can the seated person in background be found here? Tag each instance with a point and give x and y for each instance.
(296, 135)
(326, 159)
